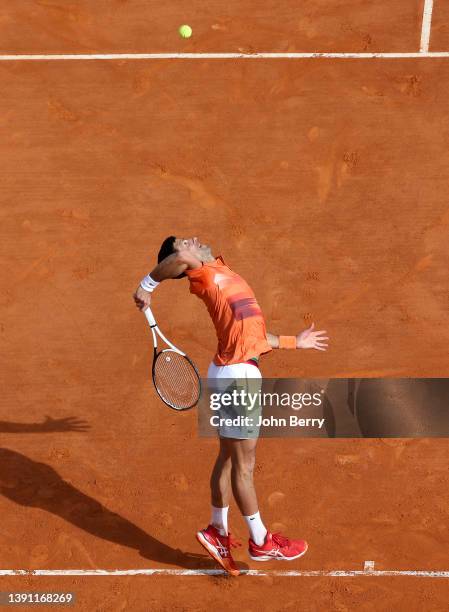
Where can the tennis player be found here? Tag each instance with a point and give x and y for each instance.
(242, 339)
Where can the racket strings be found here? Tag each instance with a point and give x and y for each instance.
(176, 380)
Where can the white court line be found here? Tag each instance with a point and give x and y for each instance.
(217, 572)
(426, 26)
(161, 56)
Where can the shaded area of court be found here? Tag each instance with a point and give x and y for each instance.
(34, 484)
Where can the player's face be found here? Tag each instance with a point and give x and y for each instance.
(201, 251)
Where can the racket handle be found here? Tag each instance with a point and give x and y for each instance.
(149, 316)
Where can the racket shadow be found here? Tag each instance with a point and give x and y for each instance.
(38, 485)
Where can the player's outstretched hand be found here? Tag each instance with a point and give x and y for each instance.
(312, 339)
(142, 298)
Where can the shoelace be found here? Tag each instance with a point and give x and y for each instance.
(228, 542)
(280, 540)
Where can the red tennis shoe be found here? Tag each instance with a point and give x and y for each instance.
(278, 547)
(219, 547)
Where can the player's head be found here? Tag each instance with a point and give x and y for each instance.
(199, 250)
(172, 244)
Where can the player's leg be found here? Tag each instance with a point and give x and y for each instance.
(263, 545)
(243, 456)
(220, 487)
(215, 538)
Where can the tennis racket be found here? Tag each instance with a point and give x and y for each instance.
(175, 376)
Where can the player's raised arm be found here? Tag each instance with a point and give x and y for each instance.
(171, 267)
(175, 256)
(304, 340)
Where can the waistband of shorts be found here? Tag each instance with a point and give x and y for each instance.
(252, 362)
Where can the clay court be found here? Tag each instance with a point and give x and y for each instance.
(323, 181)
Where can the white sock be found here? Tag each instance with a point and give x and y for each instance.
(220, 519)
(256, 528)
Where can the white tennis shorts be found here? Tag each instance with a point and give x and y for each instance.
(237, 376)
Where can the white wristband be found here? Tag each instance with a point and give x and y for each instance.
(149, 284)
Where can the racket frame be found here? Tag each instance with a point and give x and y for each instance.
(155, 331)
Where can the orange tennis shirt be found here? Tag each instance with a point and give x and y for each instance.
(234, 311)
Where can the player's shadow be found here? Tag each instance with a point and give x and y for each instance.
(49, 425)
(37, 485)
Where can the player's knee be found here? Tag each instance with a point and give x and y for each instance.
(244, 466)
(242, 473)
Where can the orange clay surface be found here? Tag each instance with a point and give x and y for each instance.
(440, 27)
(324, 183)
(145, 26)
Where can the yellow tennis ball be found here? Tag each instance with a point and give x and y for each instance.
(185, 31)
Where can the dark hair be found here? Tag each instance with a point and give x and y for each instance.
(168, 248)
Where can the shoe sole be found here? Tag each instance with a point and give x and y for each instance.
(213, 553)
(269, 558)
